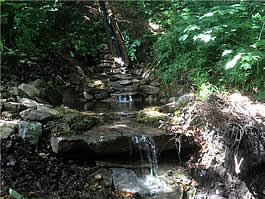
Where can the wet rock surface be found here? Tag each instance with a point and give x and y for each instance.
(110, 139)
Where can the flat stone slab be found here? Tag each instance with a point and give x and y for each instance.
(109, 139)
(124, 94)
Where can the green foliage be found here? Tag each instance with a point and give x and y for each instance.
(62, 110)
(210, 43)
(15, 194)
(57, 28)
(131, 45)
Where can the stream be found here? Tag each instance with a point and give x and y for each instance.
(142, 173)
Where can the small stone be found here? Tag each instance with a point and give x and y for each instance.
(108, 56)
(104, 46)
(98, 83)
(91, 85)
(157, 84)
(8, 114)
(98, 177)
(125, 82)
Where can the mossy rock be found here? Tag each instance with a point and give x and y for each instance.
(65, 110)
(152, 108)
(83, 123)
(151, 117)
(72, 121)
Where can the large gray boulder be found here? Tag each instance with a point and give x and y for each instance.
(28, 102)
(29, 90)
(30, 131)
(39, 113)
(110, 139)
(149, 90)
(7, 128)
(13, 106)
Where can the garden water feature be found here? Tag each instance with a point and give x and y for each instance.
(146, 149)
(139, 172)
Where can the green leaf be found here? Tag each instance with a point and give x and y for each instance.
(1, 46)
(16, 5)
(15, 194)
(183, 37)
(261, 95)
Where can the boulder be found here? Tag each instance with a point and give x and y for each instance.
(13, 106)
(172, 99)
(186, 98)
(7, 128)
(149, 90)
(39, 84)
(40, 113)
(137, 71)
(88, 96)
(97, 90)
(104, 64)
(150, 99)
(30, 131)
(29, 90)
(28, 102)
(110, 139)
(80, 72)
(101, 95)
(14, 91)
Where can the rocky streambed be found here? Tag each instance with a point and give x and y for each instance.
(205, 149)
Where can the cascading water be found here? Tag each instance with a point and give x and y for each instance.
(147, 183)
(147, 152)
(125, 99)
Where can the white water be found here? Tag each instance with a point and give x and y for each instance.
(125, 99)
(147, 152)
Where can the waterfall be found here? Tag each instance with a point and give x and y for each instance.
(124, 99)
(130, 98)
(147, 152)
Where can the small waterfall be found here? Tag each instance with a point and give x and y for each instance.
(147, 152)
(130, 98)
(146, 148)
(125, 99)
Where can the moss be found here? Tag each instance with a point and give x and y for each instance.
(65, 110)
(151, 117)
(83, 123)
(70, 121)
(152, 108)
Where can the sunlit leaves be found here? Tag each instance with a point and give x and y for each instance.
(225, 36)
